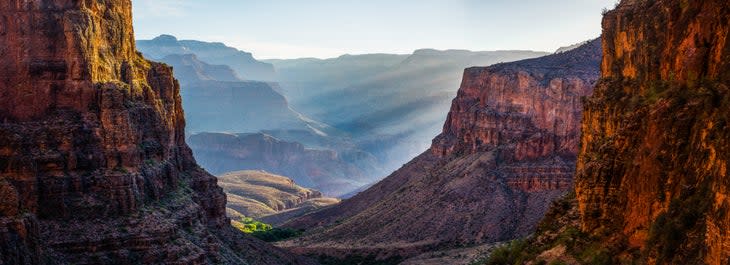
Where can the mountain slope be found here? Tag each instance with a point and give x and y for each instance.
(211, 52)
(95, 168)
(507, 150)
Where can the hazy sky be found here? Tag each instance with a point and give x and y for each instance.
(329, 28)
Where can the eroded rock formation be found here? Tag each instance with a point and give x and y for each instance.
(653, 167)
(94, 167)
(507, 150)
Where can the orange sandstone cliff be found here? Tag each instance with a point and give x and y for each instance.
(655, 150)
(94, 168)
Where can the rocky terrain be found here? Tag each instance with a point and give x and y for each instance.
(651, 184)
(94, 168)
(321, 169)
(211, 52)
(508, 148)
(271, 198)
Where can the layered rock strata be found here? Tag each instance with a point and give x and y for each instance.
(653, 166)
(94, 168)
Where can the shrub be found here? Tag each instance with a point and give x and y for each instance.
(249, 226)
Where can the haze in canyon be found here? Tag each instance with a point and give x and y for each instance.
(366, 133)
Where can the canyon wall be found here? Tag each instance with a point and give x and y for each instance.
(652, 174)
(508, 149)
(94, 167)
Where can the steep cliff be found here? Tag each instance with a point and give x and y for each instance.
(507, 150)
(651, 183)
(655, 150)
(94, 167)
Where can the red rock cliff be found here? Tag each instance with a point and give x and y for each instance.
(533, 106)
(94, 167)
(652, 171)
(508, 149)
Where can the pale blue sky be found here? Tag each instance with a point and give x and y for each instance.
(329, 28)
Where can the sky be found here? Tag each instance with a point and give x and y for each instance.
(285, 29)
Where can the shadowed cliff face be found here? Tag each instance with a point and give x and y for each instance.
(93, 163)
(653, 166)
(508, 149)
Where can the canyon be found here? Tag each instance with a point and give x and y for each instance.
(380, 109)
(94, 168)
(610, 151)
(507, 150)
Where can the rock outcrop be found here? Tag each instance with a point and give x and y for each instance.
(271, 198)
(321, 169)
(94, 168)
(507, 150)
(655, 152)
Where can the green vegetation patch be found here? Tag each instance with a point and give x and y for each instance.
(249, 226)
(264, 231)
